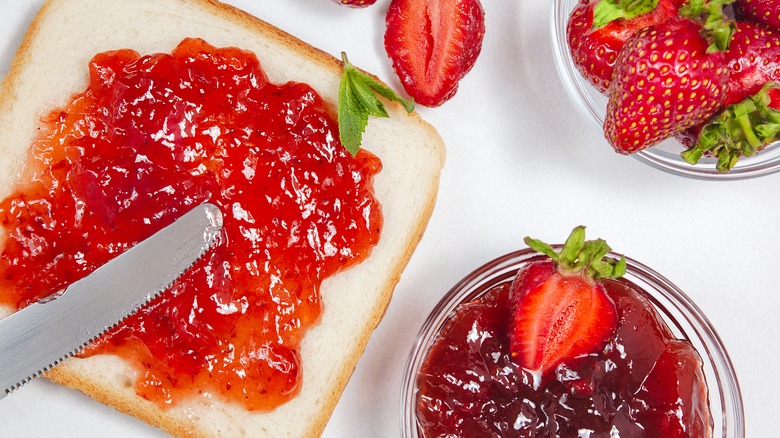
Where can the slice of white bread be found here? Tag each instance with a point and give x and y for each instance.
(51, 65)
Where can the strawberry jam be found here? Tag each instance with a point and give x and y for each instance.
(643, 383)
(153, 136)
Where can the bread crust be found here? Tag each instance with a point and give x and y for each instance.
(117, 391)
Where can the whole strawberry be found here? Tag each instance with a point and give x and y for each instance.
(753, 60)
(433, 44)
(355, 3)
(597, 30)
(668, 78)
(741, 129)
(560, 309)
(766, 12)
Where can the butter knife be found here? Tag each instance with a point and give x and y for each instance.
(41, 335)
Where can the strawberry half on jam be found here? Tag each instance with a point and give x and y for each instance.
(559, 308)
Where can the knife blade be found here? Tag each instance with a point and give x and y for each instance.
(43, 334)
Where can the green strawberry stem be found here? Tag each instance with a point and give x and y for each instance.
(580, 256)
(741, 129)
(607, 11)
(718, 29)
(746, 128)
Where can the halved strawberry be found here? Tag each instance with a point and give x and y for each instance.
(433, 44)
(560, 310)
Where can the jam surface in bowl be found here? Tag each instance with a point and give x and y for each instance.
(643, 383)
(153, 136)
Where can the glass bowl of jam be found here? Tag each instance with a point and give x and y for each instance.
(460, 379)
(665, 155)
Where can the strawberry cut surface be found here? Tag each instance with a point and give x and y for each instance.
(641, 383)
(557, 317)
(433, 44)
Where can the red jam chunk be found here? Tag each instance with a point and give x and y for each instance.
(644, 383)
(154, 136)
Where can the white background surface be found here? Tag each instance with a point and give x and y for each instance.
(521, 160)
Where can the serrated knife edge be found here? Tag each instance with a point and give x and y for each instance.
(40, 336)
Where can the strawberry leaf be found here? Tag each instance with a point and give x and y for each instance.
(574, 245)
(607, 11)
(601, 267)
(582, 256)
(741, 129)
(357, 101)
(544, 248)
(718, 29)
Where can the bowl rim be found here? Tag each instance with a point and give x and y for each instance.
(579, 92)
(715, 358)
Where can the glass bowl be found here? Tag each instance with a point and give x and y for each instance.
(664, 156)
(682, 316)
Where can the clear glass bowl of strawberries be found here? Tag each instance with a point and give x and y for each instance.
(569, 340)
(687, 87)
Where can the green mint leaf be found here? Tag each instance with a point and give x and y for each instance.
(357, 101)
(365, 96)
(352, 117)
(385, 91)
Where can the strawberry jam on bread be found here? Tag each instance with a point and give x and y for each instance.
(167, 132)
(67, 34)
